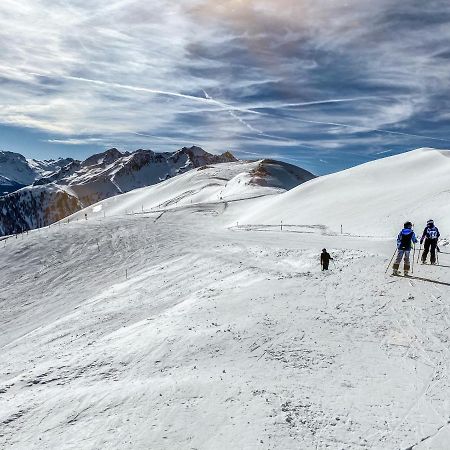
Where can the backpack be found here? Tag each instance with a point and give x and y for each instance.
(405, 241)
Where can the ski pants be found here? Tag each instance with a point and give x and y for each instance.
(429, 246)
(400, 255)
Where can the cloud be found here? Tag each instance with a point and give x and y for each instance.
(343, 77)
(75, 141)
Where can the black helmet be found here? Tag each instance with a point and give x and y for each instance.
(324, 249)
(407, 225)
(430, 222)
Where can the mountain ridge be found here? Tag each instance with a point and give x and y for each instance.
(16, 171)
(78, 185)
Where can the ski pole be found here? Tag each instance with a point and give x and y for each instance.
(389, 265)
(418, 256)
(413, 258)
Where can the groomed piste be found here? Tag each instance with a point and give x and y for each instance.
(194, 315)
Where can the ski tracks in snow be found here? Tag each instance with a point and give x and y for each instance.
(236, 330)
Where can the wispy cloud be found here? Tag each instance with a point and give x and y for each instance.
(255, 75)
(77, 141)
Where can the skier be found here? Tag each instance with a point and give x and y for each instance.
(405, 240)
(325, 259)
(430, 235)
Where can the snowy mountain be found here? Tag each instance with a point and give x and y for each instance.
(105, 175)
(371, 199)
(16, 171)
(222, 183)
(178, 328)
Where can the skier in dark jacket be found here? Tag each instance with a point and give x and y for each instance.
(325, 259)
(430, 236)
(405, 240)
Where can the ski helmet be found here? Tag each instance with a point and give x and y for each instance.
(324, 250)
(407, 225)
(430, 222)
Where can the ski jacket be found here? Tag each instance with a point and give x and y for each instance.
(430, 233)
(325, 257)
(405, 239)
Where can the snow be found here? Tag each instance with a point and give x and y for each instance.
(16, 171)
(172, 329)
(47, 167)
(372, 199)
(220, 183)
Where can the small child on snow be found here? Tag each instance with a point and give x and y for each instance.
(325, 259)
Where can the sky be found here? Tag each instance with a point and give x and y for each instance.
(317, 83)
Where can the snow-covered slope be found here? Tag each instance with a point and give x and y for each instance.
(106, 175)
(167, 330)
(35, 207)
(216, 183)
(84, 183)
(371, 199)
(123, 172)
(16, 171)
(46, 167)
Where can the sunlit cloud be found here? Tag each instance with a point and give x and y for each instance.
(295, 78)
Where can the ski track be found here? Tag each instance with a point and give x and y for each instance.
(217, 338)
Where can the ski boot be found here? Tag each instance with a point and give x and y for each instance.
(395, 272)
(406, 273)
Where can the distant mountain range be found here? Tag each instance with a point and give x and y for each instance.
(38, 193)
(17, 172)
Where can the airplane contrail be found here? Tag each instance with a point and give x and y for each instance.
(230, 108)
(313, 103)
(256, 130)
(379, 130)
(205, 100)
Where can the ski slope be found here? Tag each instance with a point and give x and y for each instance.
(215, 183)
(169, 328)
(372, 199)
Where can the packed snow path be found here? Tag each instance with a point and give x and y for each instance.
(172, 331)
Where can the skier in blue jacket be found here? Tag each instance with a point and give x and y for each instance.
(430, 235)
(405, 240)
